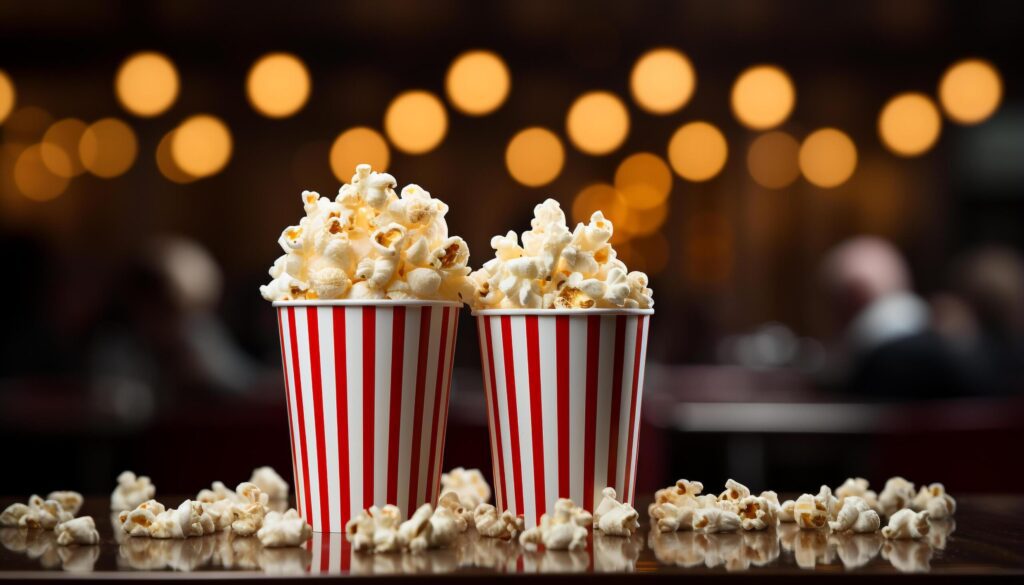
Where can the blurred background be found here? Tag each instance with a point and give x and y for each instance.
(828, 197)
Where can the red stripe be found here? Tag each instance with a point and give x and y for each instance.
(590, 423)
(288, 403)
(562, 365)
(325, 544)
(536, 413)
(452, 335)
(341, 404)
(619, 357)
(369, 385)
(395, 416)
(499, 475)
(513, 415)
(630, 455)
(438, 396)
(312, 316)
(346, 556)
(417, 413)
(298, 409)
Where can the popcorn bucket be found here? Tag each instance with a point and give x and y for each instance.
(564, 389)
(367, 386)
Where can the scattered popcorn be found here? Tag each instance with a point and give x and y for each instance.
(671, 517)
(810, 512)
(463, 514)
(759, 512)
(375, 530)
(250, 511)
(77, 531)
(492, 525)
(369, 243)
(45, 514)
(217, 492)
(787, 511)
(70, 501)
(615, 518)
(734, 492)
(470, 484)
(138, 522)
(286, 529)
(935, 500)
(907, 524)
(152, 519)
(710, 520)
(428, 529)
(857, 486)
(270, 482)
(683, 493)
(131, 491)
(12, 515)
(556, 269)
(855, 516)
(563, 529)
(897, 494)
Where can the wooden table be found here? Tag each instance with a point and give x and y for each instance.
(986, 539)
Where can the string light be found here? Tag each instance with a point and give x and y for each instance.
(909, 124)
(59, 147)
(416, 122)
(644, 180)
(477, 82)
(597, 122)
(828, 157)
(33, 179)
(970, 91)
(146, 84)
(697, 151)
(165, 162)
(278, 85)
(535, 156)
(357, 146)
(772, 160)
(662, 81)
(8, 97)
(763, 97)
(201, 146)
(108, 148)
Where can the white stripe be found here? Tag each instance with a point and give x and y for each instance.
(605, 374)
(506, 436)
(308, 411)
(325, 321)
(547, 332)
(485, 367)
(382, 403)
(623, 455)
(522, 370)
(577, 403)
(639, 402)
(405, 439)
(286, 342)
(354, 370)
(316, 553)
(334, 550)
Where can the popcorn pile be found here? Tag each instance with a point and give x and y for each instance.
(853, 508)
(56, 513)
(369, 243)
(566, 527)
(558, 269)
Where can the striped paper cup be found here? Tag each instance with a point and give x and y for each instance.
(563, 389)
(367, 386)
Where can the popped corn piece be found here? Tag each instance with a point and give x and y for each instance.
(671, 517)
(428, 529)
(563, 529)
(710, 520)
(897, 494)
(375, 530)
(758, 512)
(810, 512)
(907, 524)
(855, 516)
(139, 521)
(615, 518)
(77, 531)
(935, 500)
(131, 491)
(217, 492)
(250, 511)
(462, 514)
(470, 484)
(45, 514)
(488, 523)
(857, 486)
(270, 482)
(11, 516)
(69, 500)
(684, 492)
(284, 529)
(734, 491)
(787, 511)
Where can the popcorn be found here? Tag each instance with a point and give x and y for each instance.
(249, 513)
(70, 501)
(563, 529)
(131, 491)
(734, 492)
(463, 515)
(152, 519)
(810, 512)
(77, 531)
(671, 517)
(217, 492)
(12, 515)
(554, 268)
(935, 500)
(758, 512)
(488, 523)
(375, 530)
(787, 511)
(615, 518)
(855, 516)
(45, 514)
(469, 484)
(369, 243)
(269, 482)
(428, 528)
(907, 524)
(286, 529)
(897, 494)
(683, 493)
(710, 520)
(857, 486)
(138, 522)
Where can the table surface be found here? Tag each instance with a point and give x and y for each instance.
(986, 539)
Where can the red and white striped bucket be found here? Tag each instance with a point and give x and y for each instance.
(368, 384)
(564, 389)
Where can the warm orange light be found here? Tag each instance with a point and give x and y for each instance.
(828, 157)
(8, 96)
(697, 151)
(534, 156)
(26, 124)
(165, 162)
(763, 97)
(597, 122)
(278, 85)
(662, 81)
(201, 145)
(772, 160)
(416, 122)
(644, 180)
(357, 146)
(909, 124)
(108, 148)
(970, 91)
(60, 147)
(146, 84)
(600, 197)
(477, 82)
(33, 179)
(643, 222)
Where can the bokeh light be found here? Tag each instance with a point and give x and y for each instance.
(600, 197)
(828, 157)
(909, 124)
(644, 180)
(662, 81)
(278, 85)
(146, 84)
(535, 156)
(772, 159)
(165, 162)
(27, 124)
(33, 179)
(60, 147)
(477, 82)
(108, 148)
(416, 122)
(356, 146)
(697, 151)
(201, 145)
(8, 96)
(597, 122)
(970, 91)
(763, 97)
(644, 222)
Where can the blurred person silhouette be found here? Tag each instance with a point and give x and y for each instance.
(887, 349)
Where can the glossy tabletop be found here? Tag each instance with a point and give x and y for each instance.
(986, 539)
